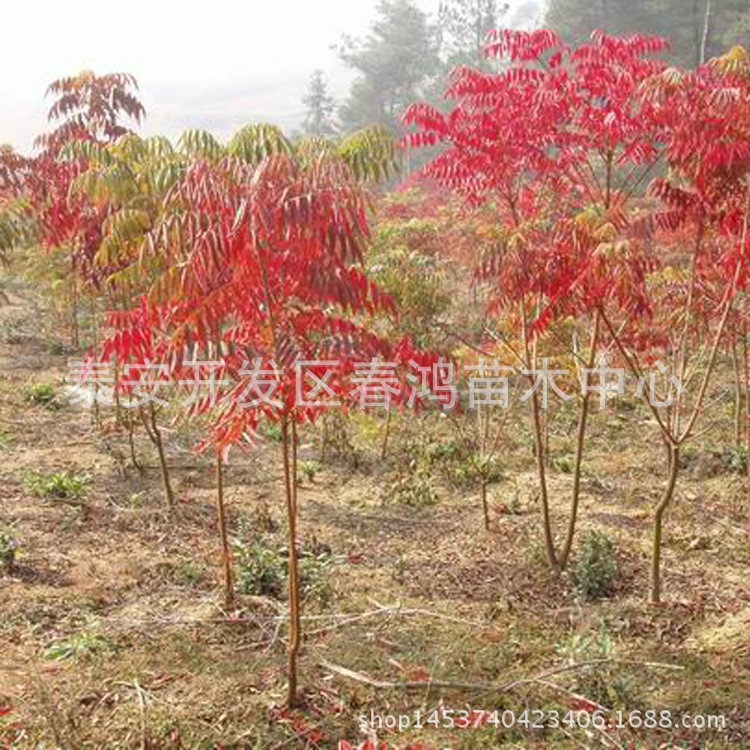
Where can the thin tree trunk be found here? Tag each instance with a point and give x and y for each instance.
(116, 388)
(536, 413)
(706, 31)
(324, 441)
(658, 531)
(738, 396)
(131, 444)
(386, 435)
(226, 549)
(97, 411)
(294, 461)
(94, 324)
(74, 315)
(152, 428)
(746, 358)
(549, 542)
(294, 592)
(485, 505)
(580, 446)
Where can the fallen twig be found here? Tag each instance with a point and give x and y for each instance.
(142, 712)
(429, 685)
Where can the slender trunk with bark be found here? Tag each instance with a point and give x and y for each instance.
(580, 446)
(706, 31)
(485, 505)
(386, 435)
(537, 423)
(746, 358)
(549, 541)
(738, 397)
(658, 529)
(131, 444)
(74, 317)
(295, 635)
(226, 549)
(154, 433)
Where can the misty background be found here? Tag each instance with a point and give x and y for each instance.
(215, 65)
(322, 68)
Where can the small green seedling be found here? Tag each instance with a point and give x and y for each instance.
(77, 646)
(596, 568)
(59, 486)
(309, 470)
(41, 394)
(9, 547)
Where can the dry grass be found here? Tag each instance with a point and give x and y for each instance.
(155, 663)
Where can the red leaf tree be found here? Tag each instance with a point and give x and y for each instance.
(260, 265)
(559, 143)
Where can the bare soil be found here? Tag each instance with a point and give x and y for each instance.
(417, 593)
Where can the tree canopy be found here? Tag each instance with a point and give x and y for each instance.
(696, 29)
(392, 63)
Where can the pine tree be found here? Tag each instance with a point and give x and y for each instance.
(393, 63)
(319, 108)
(464, 25)
(696, 29)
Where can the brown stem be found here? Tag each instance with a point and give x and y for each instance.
(746, 357)
(485, 505)
(386, 435)
(698, 408)
(737, 396)
(580, 445)
(637, 372)
(324, 441)
(74, 315)
(226, 549)
(94, 323)
(659, 513)
(294, 592)
(152, 428)
(131, 444)
(116, 387)
(536, 411)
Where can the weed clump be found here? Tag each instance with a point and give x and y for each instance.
(9, 547)
(415, 490)
(41, 394)
(263, 571)
(596, 568)
(58, 486)
(78, 646)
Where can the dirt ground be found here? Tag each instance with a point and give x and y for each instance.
(112, 633)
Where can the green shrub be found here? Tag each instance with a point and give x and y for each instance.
(41, 394)
(61, 485)
(415, 490)
(309, 470)
(445, 451)
(261, 570)
(9, 547)
(314, 577)
(479, 466)
(603, 682)
(271, 431)
(596, 568)
(564, 464)
(83, 645)
(735, 459)
(416, 281)
(189, 573)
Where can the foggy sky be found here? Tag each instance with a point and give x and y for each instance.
(216, 65)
